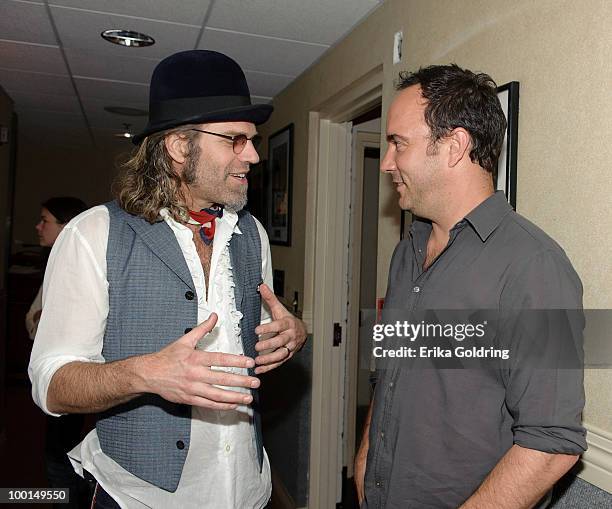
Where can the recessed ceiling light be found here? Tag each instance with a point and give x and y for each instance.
(125, 111)
(128, 38)
(127, 133)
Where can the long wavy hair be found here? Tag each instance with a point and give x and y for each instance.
(148, 183)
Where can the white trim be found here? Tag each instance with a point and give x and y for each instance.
(597, 461)
(325, 277)
(359, 97)
(311, 209)
(328, 361)
(361, 140)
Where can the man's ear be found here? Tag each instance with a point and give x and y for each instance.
(460, 142)
(176, 145)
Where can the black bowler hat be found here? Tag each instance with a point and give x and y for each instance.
(199, 86)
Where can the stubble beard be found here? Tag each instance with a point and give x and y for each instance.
(238, 203)
(419, 197)
(217, 190)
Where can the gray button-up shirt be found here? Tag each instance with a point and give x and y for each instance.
(436, 433)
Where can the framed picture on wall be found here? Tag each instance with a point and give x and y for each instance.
(405, 223)
(280, 176)
(257, 194)
(506, 166)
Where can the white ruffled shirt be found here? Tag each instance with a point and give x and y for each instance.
(221, 469)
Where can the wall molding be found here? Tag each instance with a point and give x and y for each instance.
(596, 465)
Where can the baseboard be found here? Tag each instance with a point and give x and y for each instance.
(597, 461)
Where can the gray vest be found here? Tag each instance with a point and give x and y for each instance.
(152, 302)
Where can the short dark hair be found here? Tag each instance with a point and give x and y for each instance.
(458, 97)
(64, 208)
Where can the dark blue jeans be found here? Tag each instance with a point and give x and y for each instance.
(63, 433)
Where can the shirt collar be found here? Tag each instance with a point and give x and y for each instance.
(487, 216)
(420, 227)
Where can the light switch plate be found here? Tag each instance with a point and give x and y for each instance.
(398, 38)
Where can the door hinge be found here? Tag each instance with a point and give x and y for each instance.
(337, 334)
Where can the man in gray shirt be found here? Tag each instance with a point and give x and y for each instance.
(501, 436)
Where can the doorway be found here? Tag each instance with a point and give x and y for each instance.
(363, 247)
(328, 269)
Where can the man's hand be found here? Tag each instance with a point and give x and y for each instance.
(290, 334)
(360, 468)
(361, 457)
(182, 374)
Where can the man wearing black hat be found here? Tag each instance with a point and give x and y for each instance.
(127, 285)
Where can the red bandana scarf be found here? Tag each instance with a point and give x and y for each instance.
(206, 218)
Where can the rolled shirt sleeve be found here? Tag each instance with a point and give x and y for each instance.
(544, 385)
(75, 301)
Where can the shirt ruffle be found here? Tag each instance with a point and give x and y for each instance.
(224, 292)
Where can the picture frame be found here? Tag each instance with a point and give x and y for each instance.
(280, 186)
(257, 194)
(505, 178)
(405, 223)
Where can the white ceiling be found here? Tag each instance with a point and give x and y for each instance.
(61, 73)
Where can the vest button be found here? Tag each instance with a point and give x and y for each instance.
(188, 329)
(189, 295)
(180, 445)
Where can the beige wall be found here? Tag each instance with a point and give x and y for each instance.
(561, 52)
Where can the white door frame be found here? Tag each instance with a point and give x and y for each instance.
(361, 141)
(326, 276)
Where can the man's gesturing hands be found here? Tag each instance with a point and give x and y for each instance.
(290, 334)
(182, 374)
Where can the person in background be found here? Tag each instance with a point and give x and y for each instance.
(63, 433)
(54, 214)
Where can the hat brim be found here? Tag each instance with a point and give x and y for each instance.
(254, 113)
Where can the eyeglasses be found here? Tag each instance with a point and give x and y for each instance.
(238, 142)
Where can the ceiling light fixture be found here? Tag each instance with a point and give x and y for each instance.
(127, 133)
(128, 38)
